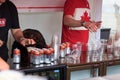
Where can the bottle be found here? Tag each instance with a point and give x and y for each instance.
(30, 49)
(42, 59)
(68, 50)
(47, 53)
(31, 56)
(52, 54)
(62, 52)
(16, 55)
(36, 59)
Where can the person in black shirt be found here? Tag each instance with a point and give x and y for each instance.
(9, 21)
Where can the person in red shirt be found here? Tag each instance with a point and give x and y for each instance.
(78, 26)
(77, 22)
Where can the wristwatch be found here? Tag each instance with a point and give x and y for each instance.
(83, 23)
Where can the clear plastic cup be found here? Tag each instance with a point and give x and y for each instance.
(76, 51)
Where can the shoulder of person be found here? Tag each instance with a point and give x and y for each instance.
(10, 3)
(11, 6)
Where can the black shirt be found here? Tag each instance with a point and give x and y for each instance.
(8, 20)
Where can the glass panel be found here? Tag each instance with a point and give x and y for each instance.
(82, 74)
(113, 70)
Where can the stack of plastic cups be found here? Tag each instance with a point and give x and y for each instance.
(104, 45)
(100, 50)
(89, 51)
(117, 48)
(109, 49)
(95, 54)
(55, 46)
(79, 47)
(110, 46)
(78, 51)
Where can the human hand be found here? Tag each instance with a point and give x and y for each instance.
(92, 25)
(98, 23)
(26, 42)
(1, 43)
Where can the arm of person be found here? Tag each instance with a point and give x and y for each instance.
(70, 21)
(90, 25)
(3, 65)
(1, 43)
(18, 35)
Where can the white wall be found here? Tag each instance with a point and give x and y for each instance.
(47, 23)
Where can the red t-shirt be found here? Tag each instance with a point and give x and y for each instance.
(69, 35)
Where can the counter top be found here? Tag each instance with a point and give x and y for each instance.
(70, 62)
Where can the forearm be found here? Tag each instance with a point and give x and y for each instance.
(18, 35)
(90, 25)
(69, 21)
(1, 42)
